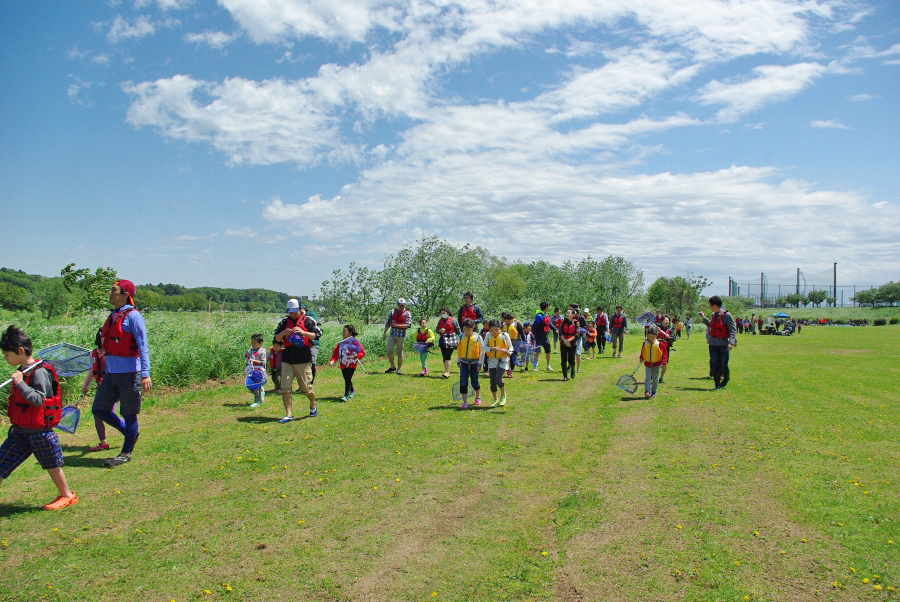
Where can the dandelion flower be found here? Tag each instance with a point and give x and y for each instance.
(680, 527)
(544, 553)
(865, 579)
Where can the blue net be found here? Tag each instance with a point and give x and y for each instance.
(67, 359)
(255, 379)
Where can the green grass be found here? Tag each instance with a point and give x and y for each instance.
(773, 489)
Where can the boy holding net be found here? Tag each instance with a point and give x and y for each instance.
(652, 356)
(256, 360)
(34, 408)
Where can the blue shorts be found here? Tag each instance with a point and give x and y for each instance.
(19, 445)
(124, 387)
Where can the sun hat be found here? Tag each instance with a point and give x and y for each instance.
(293, 305)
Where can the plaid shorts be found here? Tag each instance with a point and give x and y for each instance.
(19, 445)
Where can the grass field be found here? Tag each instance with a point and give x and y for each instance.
(784, 486)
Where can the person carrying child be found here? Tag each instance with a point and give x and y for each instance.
(470, 354)
(425, 341)
(98, 367)
(498, 349)
(448, 329)
(275, 364)
(256, 361)
(34, 408)
(348, 352)
(652, 356)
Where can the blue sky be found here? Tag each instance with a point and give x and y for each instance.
(264, 143)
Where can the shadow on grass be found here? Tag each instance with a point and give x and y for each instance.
(694, 389)
(634, 397)
(332, 399)
(700, 378)
(471, 408)
(90, 461)
(12, 509)
(260, 419)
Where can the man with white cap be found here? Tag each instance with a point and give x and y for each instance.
(398, 323)
(297, 333)
(127, 374)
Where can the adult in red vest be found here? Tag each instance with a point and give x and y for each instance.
(601, 323)
(297, 333)
(470, 311)
(127, 353)
(722, 336)
(398, 323)
(617, 329)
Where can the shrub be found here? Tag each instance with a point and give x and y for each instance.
(880, 322)
(840, 321)
(894, 321)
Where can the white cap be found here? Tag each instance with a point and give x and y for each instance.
(401, 301)
(293, 305)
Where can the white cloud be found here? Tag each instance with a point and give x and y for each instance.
(100, 59)
(74, 91)
(245, 232)
(862, 97)
(214, 39)
(772, 83)
(831, 123)
(121, 29)
(163, 4)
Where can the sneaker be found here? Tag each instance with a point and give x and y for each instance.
(647, 395)
(314, 412)
(502, 400)
(255, 404)
(344, 398)
(653, 395)
(565, 378)
(478, 401)
(465, 405)
(286, 419)
(352, 394)
(426, 371)
(61, 502)
(549, 369)
(398, 371)
(578, 371)
(619, 356)
(509, 374)
(495, 404)
(423, 373)
(118, 460)
(99, 447)
(660, 381)
(389, 370)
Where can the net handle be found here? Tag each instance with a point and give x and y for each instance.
(25, 371)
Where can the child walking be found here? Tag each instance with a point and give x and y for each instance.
(424, 336)
(528, 347)
(469, 356)
(591, 340)
(256, 360)
(275, 365)
(348, 352)
(652, 356)
(98, 367)
(498, 348)
(34, 409)
(568, 335)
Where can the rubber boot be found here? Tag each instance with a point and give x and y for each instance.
(725, 377)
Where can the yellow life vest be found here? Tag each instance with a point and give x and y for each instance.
(510, 329)
(497, 341)
(469, 347)
(650, 352)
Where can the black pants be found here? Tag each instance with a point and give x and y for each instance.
(447, 353)
(718, 362)
(348, 380)
(601, 339)
(567, 356)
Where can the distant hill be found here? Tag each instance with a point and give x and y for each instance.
(17, 288)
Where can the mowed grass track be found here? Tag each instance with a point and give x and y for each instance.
(782, 487)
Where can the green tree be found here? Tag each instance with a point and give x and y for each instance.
(888, 293)
(91, 290)
(147, 299)
(817, 297)
(354, 294)
(52, 297)
(13, 297)
(866, 297)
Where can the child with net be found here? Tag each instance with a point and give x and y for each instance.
(652, 356)
(34, 409)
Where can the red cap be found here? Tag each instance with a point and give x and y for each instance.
(127, 286)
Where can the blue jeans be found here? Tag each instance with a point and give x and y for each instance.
(651, 379)
(468, 372)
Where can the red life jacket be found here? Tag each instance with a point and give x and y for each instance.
(557, 320)
(115, 340)
(397, 317)
(569, 330)
(447, 325)
(24, 415)
(421, 337)
(545, 321)
(98, 367)
(717, 328)
(601, 321)
(468, 311)
(618, 321)
(291, 323)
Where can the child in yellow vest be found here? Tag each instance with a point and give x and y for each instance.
(652, 356)
(470, 354)
(514, 329)
(498, 348)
